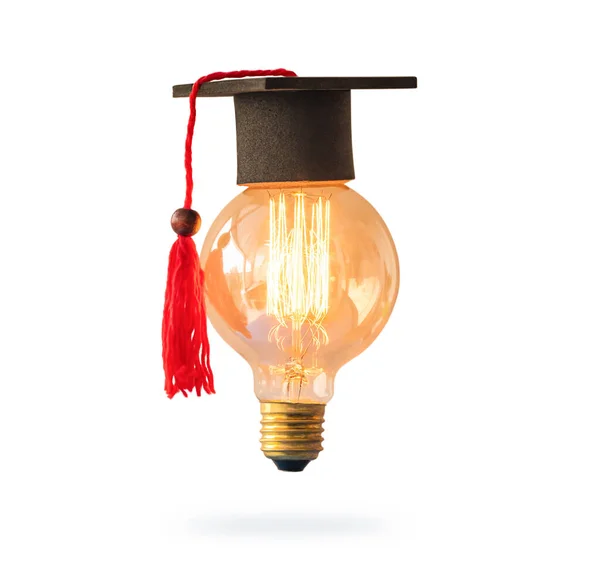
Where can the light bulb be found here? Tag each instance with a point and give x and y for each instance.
(300, 279)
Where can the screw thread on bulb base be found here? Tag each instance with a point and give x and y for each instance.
(291, 433)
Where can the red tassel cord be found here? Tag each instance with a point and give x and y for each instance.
(186, 351)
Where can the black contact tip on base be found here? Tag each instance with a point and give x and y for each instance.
(291, 465)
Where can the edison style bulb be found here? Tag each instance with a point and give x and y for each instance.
(300, 279)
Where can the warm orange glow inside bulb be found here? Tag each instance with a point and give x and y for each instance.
(300, 279)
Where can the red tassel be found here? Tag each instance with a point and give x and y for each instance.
(185, 341)
(186, 352)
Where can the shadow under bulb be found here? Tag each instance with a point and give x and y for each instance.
(300, 279)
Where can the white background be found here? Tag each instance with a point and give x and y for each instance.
(468, 433)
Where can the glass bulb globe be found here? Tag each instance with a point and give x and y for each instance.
(300, 278)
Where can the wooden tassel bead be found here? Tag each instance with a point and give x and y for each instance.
(185, 221)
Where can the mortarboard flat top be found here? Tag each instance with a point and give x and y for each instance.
(298, 84)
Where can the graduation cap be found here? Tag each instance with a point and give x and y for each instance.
(294, 128)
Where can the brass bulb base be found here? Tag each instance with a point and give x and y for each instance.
(291, 433)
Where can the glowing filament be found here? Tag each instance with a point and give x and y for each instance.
(298, 271)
